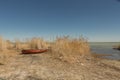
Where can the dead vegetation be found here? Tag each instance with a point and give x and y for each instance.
(33, 43)
(70, 49)
(52, 65)
(64, 48)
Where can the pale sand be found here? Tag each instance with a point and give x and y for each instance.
(45, 67)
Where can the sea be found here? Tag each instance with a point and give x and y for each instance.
(105, 48)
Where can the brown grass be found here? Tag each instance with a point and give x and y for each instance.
(70, 49)
(6, 45)
(64, 48)
(46, 67)
(34, 43)
(2, 44)
(37, 43)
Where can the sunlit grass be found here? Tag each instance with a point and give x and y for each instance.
(70, 49)
(64, 48)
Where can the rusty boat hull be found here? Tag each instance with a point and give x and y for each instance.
(34, 51)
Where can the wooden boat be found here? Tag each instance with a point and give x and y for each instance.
(34, 51)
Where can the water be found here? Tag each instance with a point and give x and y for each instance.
(106, 48)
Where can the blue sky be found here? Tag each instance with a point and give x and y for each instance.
(99, 20)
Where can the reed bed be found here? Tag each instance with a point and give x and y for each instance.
(64, 48)
(2, 44)
(34, 43)
(70, 49)
(37, 43)
(9, 49)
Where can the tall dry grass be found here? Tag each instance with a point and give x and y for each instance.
(9, 44)
(2, 44)
(37, 43)
(70, 49)
(5, 44)
(33, 43)
(18, 44)
(10, 49)
(64, 48)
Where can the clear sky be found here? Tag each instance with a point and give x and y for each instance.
(99, 20)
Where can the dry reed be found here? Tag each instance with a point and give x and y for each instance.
(2, 44)
(70, 49)
(64, 48)
(37, 43)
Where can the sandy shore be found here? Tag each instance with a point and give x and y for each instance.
(45, 67)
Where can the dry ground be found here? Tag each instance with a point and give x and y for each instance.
(46, 67)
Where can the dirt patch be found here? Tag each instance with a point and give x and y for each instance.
(46, 67)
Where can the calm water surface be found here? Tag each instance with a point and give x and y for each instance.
(105, 48)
